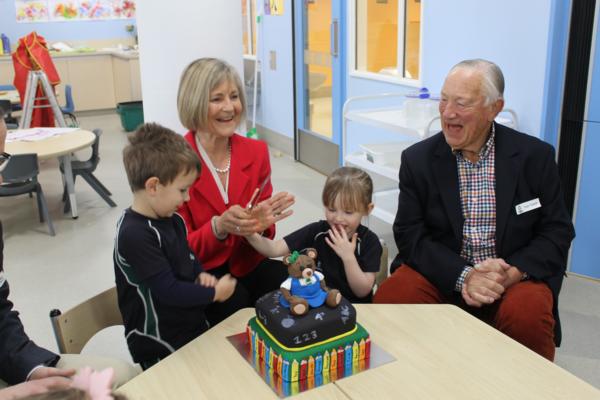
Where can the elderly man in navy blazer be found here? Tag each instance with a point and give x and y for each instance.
(481, 219)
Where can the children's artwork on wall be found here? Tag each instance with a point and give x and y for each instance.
(31, 10)
(73, 10)
(276, 7)
(273, 7)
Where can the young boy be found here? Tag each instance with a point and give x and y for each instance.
(162, 289)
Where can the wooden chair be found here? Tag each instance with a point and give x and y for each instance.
(74, 328)
(383, 266)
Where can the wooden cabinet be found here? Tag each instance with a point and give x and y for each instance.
(127, 79)
(99, 80)
(92, 81)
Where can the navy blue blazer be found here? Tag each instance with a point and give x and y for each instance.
(429, 222)
(18, 354)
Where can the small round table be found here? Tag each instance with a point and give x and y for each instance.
(60, 146)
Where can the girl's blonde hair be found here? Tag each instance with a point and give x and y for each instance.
(352, 186)
(197, 81)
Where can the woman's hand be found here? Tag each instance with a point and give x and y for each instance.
(272, 210)
(236, 220)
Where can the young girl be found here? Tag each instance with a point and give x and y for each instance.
(348, 252)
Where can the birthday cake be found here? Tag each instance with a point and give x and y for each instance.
(297, 347)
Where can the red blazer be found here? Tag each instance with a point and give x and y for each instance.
(250, 166)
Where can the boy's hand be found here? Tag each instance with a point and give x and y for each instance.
(206, 279)
(224, 288)
(338, 241)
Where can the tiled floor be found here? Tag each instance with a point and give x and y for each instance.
(58, 272)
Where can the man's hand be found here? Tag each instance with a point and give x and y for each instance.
(47, 372)
(479, 289)
(36, 386)
(507, 276)
(495, 269)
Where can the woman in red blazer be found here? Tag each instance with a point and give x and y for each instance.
(231, 197)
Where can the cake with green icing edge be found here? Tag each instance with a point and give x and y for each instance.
(299, 347)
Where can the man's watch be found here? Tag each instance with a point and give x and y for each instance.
(525, 276)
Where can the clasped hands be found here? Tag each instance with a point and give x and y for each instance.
(488, 280)
(244, 221)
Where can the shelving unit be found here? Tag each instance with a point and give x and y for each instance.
(392, 119)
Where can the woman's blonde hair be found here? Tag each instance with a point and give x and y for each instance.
(353, 186)
(197, 81)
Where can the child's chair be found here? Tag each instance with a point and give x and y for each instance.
(383, 266)
(69, 109)
(74, 328)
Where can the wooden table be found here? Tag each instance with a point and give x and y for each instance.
(61, 146)
(441, 352)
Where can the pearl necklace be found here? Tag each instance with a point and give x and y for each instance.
(226, 169)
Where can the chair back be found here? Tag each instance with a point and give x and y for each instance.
(6, 106)
(95, 158)
(20, 168)
(74, 328)
(383, 265)
(69, 104)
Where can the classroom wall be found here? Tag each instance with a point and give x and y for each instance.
(60, 31)
(172, 36)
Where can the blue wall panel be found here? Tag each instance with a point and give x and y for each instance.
(584, 257)
(593, 111)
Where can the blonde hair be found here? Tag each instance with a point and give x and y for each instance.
(198, 80)
(154, 150)
(352, 186)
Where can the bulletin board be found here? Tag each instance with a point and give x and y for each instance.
(73, 10)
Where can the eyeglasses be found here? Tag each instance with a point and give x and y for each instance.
(4, 157)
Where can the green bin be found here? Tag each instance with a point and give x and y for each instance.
(132, 114)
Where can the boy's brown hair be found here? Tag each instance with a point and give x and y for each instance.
(352, 185)
(154, 150)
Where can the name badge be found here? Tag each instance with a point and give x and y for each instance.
(528, 206)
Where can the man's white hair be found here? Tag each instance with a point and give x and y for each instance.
(492, 77)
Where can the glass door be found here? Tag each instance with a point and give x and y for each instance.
(318, 39)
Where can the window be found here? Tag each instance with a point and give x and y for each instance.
(248, 31)
(387, 38)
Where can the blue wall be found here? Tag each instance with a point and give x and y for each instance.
(277, 86)
(584, 256)
(513, 33)
(63, 31)
(555, 70)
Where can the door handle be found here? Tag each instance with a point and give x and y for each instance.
(334, 38)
